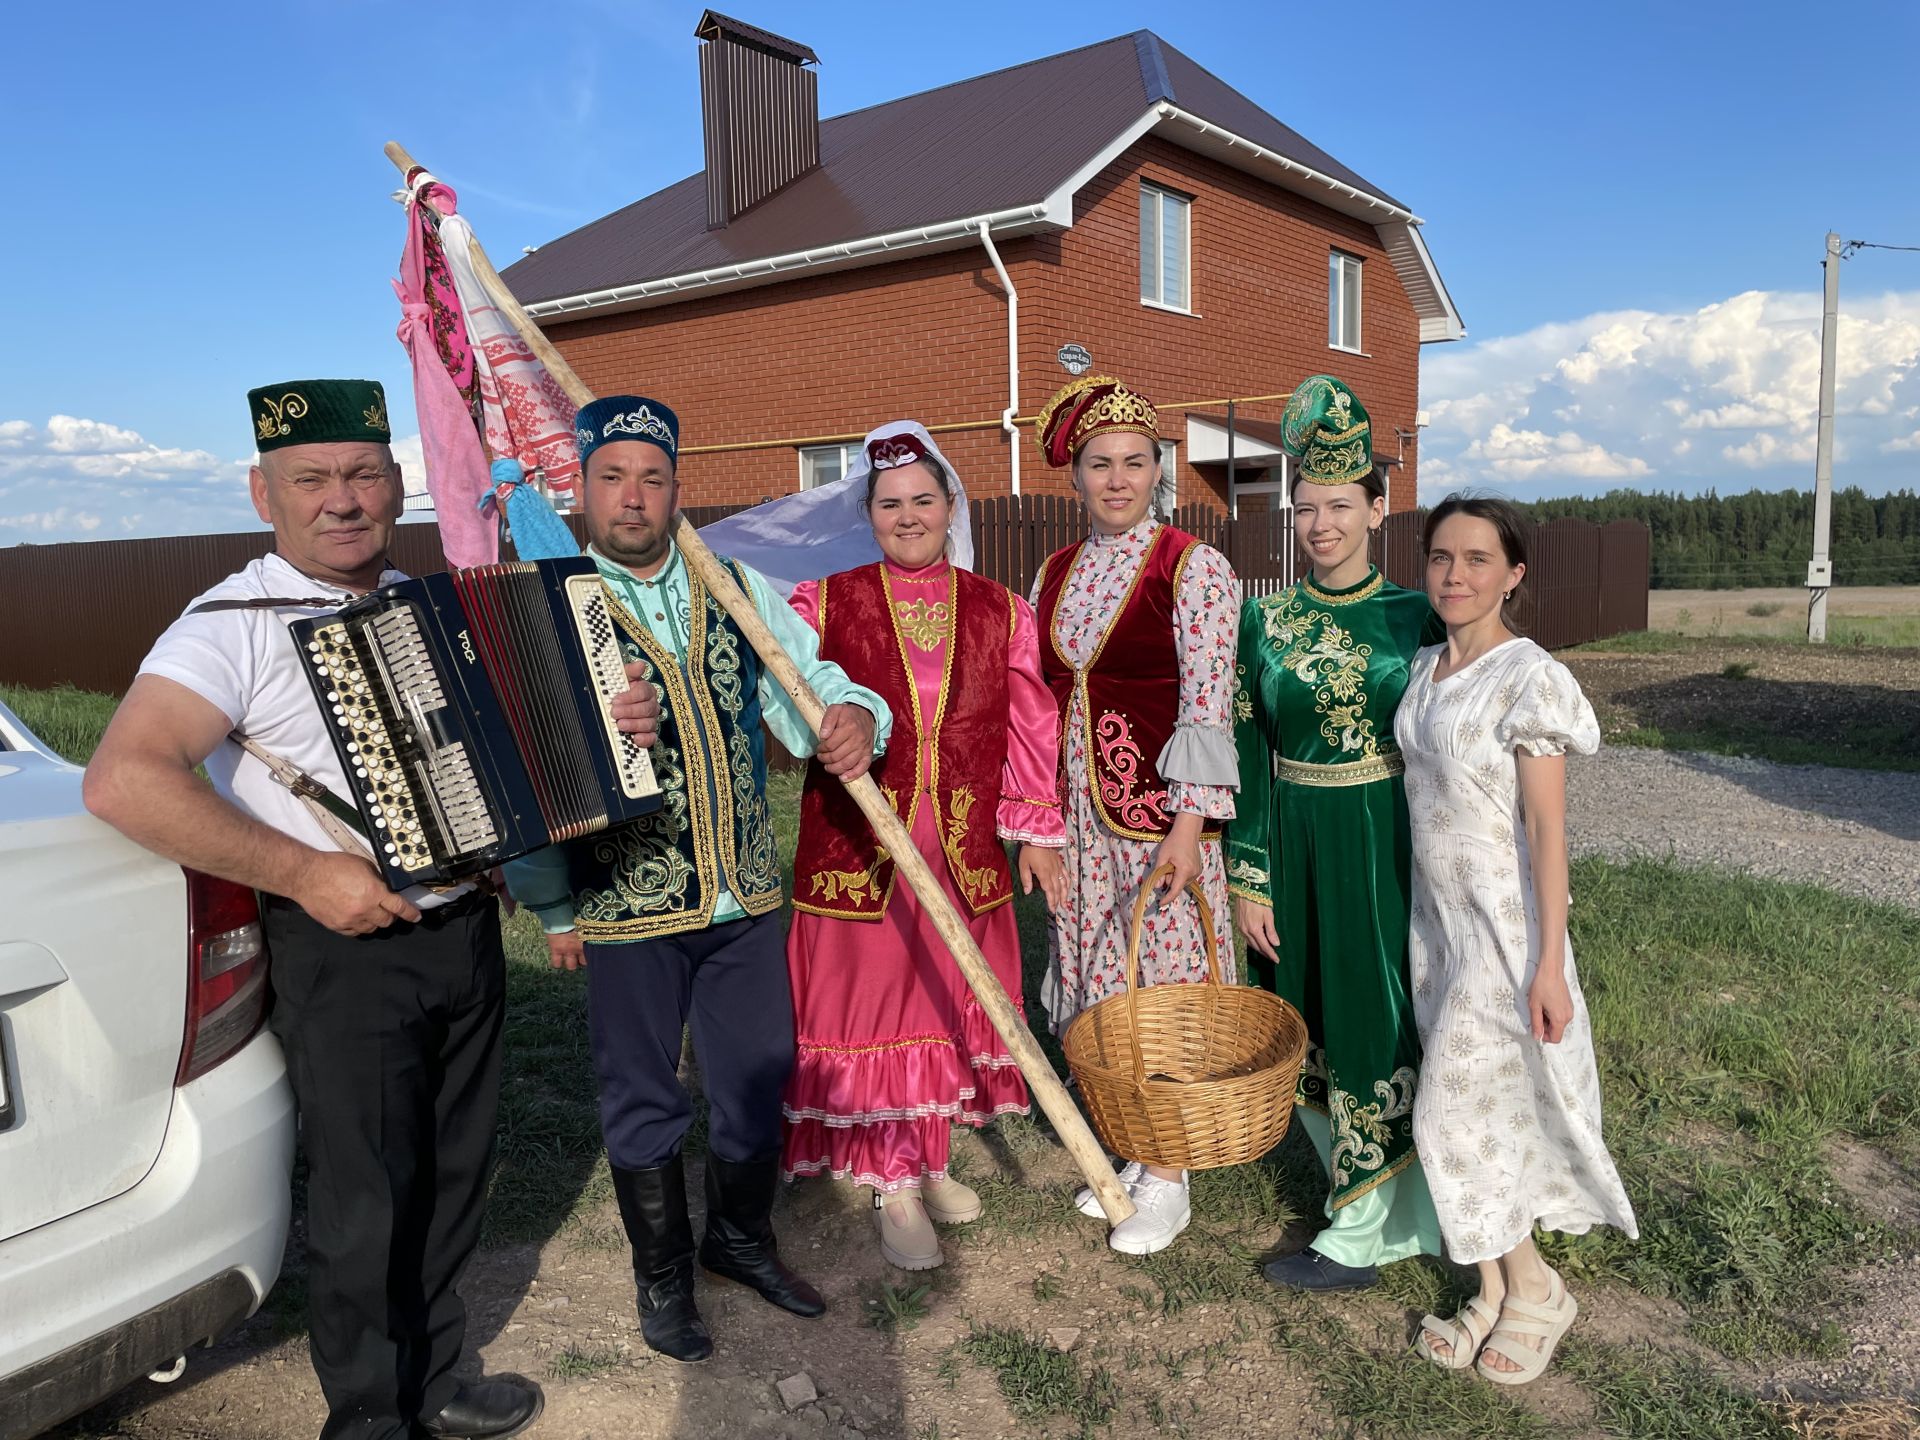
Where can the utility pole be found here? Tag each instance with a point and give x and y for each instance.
(1820, 568)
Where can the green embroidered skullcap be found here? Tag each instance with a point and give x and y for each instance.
(1326, 430)
(319, 412)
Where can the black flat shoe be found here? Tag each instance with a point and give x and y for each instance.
(1310, 1270)
(486, 1410)
(739, 1243)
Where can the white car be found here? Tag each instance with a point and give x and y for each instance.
(146, 1124)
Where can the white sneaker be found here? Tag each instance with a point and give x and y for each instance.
(1088, 1204)
(1160, 1213)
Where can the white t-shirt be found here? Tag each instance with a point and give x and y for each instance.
(244, 664)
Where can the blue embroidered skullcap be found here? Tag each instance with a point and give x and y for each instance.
(626, 417)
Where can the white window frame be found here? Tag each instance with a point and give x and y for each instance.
(1338, 262)
(1159, 195)
(818, 452)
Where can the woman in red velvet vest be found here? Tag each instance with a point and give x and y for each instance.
(1139, 624)
(893, 1048)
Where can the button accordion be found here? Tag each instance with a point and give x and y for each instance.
(471, 711)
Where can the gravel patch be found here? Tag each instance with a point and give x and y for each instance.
(1856, 831)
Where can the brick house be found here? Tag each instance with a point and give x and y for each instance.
(928, 258)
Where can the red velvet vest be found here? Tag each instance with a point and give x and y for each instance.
(1131, 685)
(839, 867)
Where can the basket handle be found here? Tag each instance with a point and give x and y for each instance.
(1147, 888)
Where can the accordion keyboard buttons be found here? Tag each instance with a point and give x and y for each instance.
(399, 838)
(587, 596)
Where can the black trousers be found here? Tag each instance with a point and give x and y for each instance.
(729, 982)
(393, 1048)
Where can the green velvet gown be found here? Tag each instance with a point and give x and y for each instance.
(1321, 835)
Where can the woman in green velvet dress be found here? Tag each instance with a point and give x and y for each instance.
(1318, 853)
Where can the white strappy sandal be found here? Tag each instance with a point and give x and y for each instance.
(1518, 1318)
(1463, 1335)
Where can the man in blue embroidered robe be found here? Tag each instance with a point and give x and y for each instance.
(676, 916)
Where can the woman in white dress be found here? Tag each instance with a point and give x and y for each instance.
(1507, 1119)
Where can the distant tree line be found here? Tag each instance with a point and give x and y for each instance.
(1723, 542)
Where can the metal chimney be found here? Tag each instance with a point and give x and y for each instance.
(760, 108)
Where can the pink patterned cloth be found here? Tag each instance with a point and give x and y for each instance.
(893, 1047)
(1088, 942)
(432, 329)
(528, 414)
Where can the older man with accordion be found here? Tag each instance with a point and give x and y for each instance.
(388, 994)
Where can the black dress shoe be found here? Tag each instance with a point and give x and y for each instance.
(486, 1410)
(1310, 1270)
(739, 1243)
(653, 1207)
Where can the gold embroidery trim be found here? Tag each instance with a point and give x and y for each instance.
(974, 883)
(1383, 766)
(923, 622)
(706, 864)
(1365, 592)
(273, 420)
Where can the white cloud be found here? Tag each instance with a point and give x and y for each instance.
(1522, 454)
(75, 479)
(1626, 389)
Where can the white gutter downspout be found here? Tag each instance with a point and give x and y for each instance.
(1013, 353)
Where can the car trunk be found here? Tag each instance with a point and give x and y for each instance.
(93, 990)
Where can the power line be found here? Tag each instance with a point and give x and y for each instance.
(1847, 250)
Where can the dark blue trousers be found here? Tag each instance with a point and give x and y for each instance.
(729, 983)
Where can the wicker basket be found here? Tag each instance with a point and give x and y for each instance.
(1187, 1076)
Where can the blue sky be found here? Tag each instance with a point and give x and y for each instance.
(1626, 200)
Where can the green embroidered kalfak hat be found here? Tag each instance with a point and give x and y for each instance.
(319, 412)
(1325, 428)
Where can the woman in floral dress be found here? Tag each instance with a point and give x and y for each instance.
(1318, 855)
(892, 1045)
(1508, 1118)
(1137, 625)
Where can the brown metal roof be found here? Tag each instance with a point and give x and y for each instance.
(995, 142)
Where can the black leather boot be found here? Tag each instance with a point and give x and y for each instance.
(739, 1244)
(653, 1206)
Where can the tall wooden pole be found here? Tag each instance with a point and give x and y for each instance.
(1820, 568)
(1054, 1101)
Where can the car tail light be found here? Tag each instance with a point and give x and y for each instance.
(226, 973)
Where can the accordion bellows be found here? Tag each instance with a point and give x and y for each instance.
(471, 711)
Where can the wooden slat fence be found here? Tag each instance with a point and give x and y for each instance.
(85, 614)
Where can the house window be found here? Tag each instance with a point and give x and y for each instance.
(824, 464)
(1164, 232)
(1343, 301)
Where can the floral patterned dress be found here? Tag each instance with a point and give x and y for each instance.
(1087, 952)
(1509, 1126)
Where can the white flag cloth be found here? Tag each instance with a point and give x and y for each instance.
(820, 532)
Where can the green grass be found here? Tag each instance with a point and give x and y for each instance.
(69, 722)
(1765, 609)
(1649, 1395)
(1740, 1024)
(1390, 1392)
(1040, 1382)
(1861, 747)
(898, 1307)
(583, 1362)
(1852, 632)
